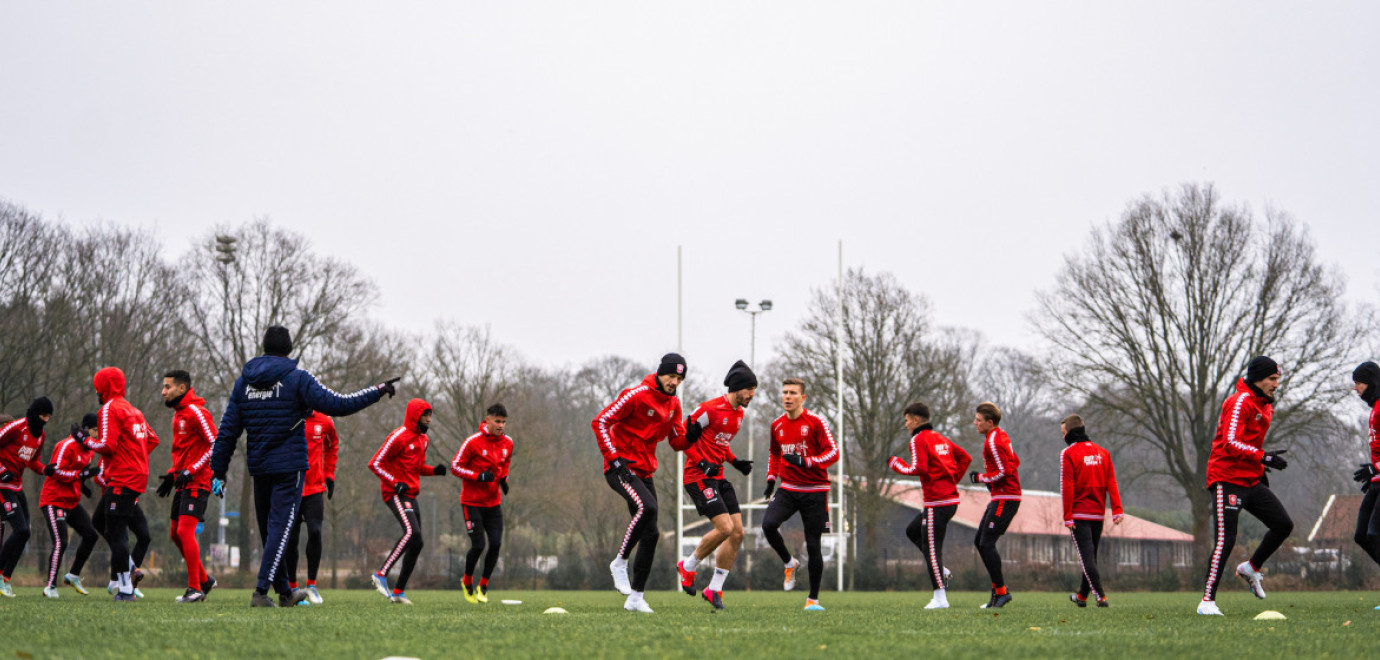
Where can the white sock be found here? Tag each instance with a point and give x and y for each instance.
(635, 597)
(131, 564)
(691, 562)
(620, 562)
(717, 584)
(125, 586)
(793, 563)
(940, 595)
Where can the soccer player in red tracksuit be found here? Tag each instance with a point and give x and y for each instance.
(21, 442)
(323, 450)
(1087, 484)
(193, 433)
(628, 430)
(126, 440)
(60, 501)
(482, 464)
(714, 497)
(940, 464)
(1002, 476)
(1367, 382)
(802, 449)
(1235, 477)
(399, 463)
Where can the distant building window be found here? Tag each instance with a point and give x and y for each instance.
(1042, 550)
(1183, 554)
(1128, 553)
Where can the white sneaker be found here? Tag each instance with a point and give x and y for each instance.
(1252, 578)
(1209, 607)
(938, 604)
(637, 606)
(620, 578)
(313, 595)
(5, 589)
(50, 592)
(789, 582)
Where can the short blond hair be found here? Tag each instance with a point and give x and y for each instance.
(1074, 421)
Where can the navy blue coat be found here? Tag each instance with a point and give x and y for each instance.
(270, 404)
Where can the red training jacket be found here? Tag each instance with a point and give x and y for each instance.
(1375, 440)
(723, 423)
(125, 436)
(323, 449)
(402, 458)
(939, 463)
(1238, 448)
(1087, 480)
(631, 426)
(194, 431)
(63, 488)
(1002, 466)
(479, 452)
(19, 451)
(808, 436)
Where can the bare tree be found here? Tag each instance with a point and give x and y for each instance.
(892, 356)
(1155, 319)
(467, 371)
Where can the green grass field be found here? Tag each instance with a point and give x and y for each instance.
(362, 624)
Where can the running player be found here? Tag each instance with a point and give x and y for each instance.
(1367, 384)
(399, 463)
(940, 465)
(712, 494)
(1087, 484)
(60, 501)
(323, 448)
(1235, 470)
(21, 442)
(628, 430)
(194, 432)
(482, 465)
(1002, 476)
(802, 449)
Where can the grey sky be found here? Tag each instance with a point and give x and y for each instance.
(533, 165)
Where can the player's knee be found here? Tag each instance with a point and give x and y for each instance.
(415, 543)
(736, 535)
(1286, 527)
(494, 547)
(915, 532)
(723, 525)
(770, 526)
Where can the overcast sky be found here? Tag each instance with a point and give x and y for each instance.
(533, 166)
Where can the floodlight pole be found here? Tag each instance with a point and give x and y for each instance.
(842, 543)
(680, 456)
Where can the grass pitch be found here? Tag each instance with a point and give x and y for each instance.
(362, 624)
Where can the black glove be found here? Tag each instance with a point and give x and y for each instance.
(387, 386)
(330, 488)
(84, 490)
(693, 430)
(400, 488)
(78, 433)
(742, 465)
(6, 476)
(771, 486)
(619, 467)
(1274, 461)
(794, 459)
(439, 469)
(503, 485)
(49, 469)
(88, 472)
(709, 469)
(1364, 473)
(974, 477)
(183, 478)
(165, 484)
(485, 476)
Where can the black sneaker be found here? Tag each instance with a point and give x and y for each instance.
(1102, 602)
(124, 598)
(1001, 601)
(191, 596)
(990, 600)
(261, 600)
(292, 598)
(1081, 602)
(208, 585)
(136, 577)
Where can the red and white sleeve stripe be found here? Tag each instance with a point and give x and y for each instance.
(376, 465)
(458, 466)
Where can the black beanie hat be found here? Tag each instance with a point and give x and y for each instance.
(671, 363)
(740, 377)
(1368, 373)
(277, 341)
(1259, 369)
(40, 406)
(89, 421)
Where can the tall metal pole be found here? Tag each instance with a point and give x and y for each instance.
(680, 456)
(838, 424)
(747, 513)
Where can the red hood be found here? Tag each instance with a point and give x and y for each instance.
(650, 381)
(110, 383)
(415, 409)
(191, 399)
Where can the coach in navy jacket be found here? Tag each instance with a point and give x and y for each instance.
(269, 404)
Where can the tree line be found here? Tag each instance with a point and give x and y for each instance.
(1143, 332)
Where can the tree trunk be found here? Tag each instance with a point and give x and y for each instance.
(1202, 530)
(246, 521)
